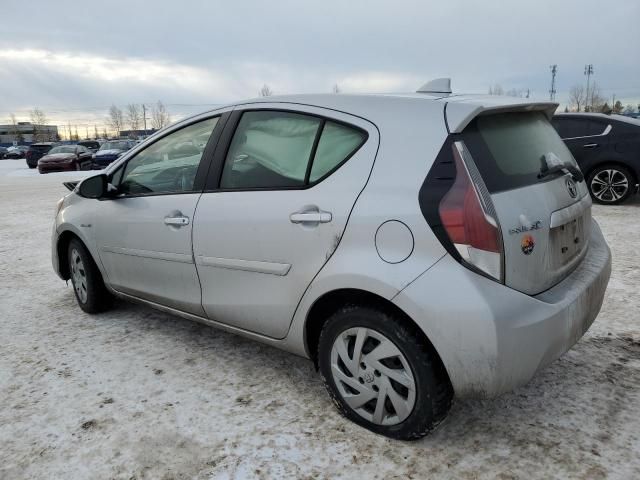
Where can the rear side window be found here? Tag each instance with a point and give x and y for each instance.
(509, 148)
(276, 149)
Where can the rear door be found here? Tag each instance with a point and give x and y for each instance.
(285, 181)
(545, 220)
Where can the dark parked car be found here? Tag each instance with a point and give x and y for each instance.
(16, 152)
(3, 152)
(37, 151)
(92, 145)
(110, 151)
(607, 148)
(66, 157)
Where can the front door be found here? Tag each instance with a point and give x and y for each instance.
(144, 231)
(289, 180)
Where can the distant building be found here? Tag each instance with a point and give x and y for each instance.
(26, 132)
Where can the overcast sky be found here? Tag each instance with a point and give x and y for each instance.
(75, 58)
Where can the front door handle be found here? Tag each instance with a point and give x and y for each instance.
(176, 221)
(313, 216)
(591, 145)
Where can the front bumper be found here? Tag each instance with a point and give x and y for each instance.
(56, 167)
(492, 338)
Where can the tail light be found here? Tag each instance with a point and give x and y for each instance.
(466, 217)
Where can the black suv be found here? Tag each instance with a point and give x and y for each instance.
(37, 151)
(607, 149)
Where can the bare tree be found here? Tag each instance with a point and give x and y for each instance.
(38, 119)
(116, 119)
(159, 116)
(95, 132)
(266, 91)
(618, 107)
(15, 133)
(576, 97)
(496, 90)
(517, 92)
(336, 88)
(134, 116)
(596, 101)
(105, 135)
(629, 109)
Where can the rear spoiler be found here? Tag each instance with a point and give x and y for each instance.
(71, 186)
(459, 112)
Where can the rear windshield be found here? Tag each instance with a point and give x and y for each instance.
(510, 148)
(41, 148)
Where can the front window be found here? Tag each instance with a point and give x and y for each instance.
(115, 146)
(170, 164)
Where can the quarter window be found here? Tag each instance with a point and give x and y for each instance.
(170, 164)
(337, 143)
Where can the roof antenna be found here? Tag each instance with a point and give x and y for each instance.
(438, 86)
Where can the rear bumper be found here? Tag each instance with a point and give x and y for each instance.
(492, 338)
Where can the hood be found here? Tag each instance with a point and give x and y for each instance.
(56, 157)
(112, 151)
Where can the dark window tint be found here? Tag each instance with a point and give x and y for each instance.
(509, 148)
(596, 127)
(270, 149)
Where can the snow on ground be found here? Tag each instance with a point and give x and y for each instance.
(134, 393)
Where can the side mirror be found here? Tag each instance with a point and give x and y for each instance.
(94, 187)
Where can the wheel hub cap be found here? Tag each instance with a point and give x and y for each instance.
(78, 276)
(373, 376)
(609, 185)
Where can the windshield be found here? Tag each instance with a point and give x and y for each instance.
(115, 146)
(63, 149)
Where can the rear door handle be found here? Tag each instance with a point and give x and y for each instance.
(591, 145)
(311, 217)
(176, 221)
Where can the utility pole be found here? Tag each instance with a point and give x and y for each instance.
(588, 71)
(144, 117)
(552, 91)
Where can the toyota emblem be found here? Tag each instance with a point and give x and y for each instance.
(572, 187)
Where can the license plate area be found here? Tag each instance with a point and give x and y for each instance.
(567, 241)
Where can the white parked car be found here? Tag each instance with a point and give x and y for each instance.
(415, 247)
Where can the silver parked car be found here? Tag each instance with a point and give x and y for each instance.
(413, 246)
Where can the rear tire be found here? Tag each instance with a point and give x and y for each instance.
(610, 184)
(88, 286)
(381, 375)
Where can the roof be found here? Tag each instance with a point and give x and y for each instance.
(460, 109)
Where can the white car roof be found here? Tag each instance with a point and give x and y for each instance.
(461, 109)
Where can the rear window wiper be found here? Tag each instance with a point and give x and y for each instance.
(552, 164)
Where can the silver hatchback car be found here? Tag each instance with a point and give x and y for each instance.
(413, 246)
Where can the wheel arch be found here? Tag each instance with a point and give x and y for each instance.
(331, 301)
(62, 248)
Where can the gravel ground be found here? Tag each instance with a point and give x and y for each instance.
(137, 394)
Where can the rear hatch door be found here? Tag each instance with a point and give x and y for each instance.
(541, 201)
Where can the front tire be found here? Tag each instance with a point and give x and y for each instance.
(381, 374)
(88, 286)
(610, 184)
